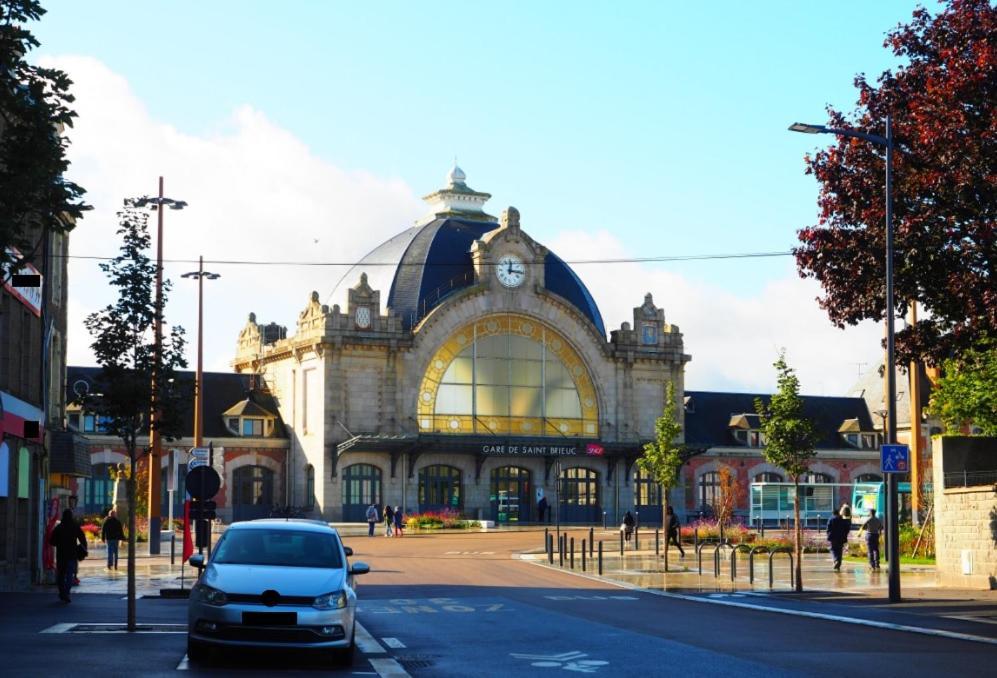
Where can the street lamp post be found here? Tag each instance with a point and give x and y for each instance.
(156, 203)
(200, 274)
(892, 498)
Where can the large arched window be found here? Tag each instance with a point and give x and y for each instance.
(440, 488)
(815, 477)
(647, 491)
(508, 374)
(769, 477)
(709, 490)
(361, 488)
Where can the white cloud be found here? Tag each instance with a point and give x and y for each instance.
(255, 192)
(733, 339)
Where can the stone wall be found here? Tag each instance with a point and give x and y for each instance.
(965, 525)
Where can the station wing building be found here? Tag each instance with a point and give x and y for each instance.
(469, 374)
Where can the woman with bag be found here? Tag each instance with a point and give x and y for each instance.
(70, 547)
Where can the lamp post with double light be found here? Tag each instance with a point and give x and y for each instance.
(158, 204)
(892, 502)
(200, 275)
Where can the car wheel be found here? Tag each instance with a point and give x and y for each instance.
(344, 657)
(197, 652)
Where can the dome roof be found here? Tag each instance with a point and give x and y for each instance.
(421, 266)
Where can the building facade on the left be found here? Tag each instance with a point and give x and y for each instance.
(37, 454)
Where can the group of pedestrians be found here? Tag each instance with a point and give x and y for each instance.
(672, 529)
(840, 526)
(70, 544)
(394, 520)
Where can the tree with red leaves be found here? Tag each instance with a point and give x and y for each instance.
(944, 193)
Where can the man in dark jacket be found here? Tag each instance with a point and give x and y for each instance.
(65, 538)
(112, 533)
(673, 532)
(837, 533)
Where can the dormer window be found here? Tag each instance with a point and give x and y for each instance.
(252, 426)
(861, 440)
(247, 419)
(744, 429)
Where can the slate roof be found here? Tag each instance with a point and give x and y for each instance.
(708, 416)
(420, 267)
(222, 391)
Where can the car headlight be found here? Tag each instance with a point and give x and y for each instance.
(211, 596)
(330, 601)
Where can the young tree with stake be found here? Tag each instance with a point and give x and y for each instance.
(663, 458)
(130, 371)
(789, 443)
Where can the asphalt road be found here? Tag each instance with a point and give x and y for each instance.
(463, 605)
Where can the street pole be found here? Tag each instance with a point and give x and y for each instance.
(200, 274)
(893, 505)
(557, 493)
(155, 440)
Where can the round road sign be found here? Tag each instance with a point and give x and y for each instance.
(203, 482)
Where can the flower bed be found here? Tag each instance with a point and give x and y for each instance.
(91, 531)
(435, 520)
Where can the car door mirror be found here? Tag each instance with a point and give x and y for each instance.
(196, 560)
(348, 550)
(359, 568)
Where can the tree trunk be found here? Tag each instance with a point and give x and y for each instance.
(664, 522)
(131, 544)
(797, 528)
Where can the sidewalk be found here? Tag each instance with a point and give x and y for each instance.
(854, 595)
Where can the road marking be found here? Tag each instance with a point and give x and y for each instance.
(184, 664)
(59, 628)
(410, 606)
(469, 553)
(569, 661)
(393, 643)
(366, 642)
(941, 633)
(982, 620)
(591, 597)
(389, 668)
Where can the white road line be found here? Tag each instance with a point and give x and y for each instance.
(184, 664)
(941, 633)
(59, 628)
(366, 643)
(393, 643)
(389, 668)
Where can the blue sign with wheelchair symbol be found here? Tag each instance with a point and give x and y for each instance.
(895, 458)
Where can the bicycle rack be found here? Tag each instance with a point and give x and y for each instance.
(716, 556)
(699, 553)
(789, 552)
(751, 561)
(733, 559)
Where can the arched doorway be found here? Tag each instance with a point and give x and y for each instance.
(580, 496)
(253, 496)
(439, 488)
(361, 488)
(510, 494)
(647, 498)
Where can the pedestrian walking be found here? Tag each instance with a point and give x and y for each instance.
(112, 532)
(542, 508)
(872, 527)
(389, 520)
(372, 519)
(399, 521)
(74, 506)
(628, 526)
(673, 532)
(837, 534)
(70, 547)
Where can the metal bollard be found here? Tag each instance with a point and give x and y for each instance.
(572, 553)
(637, 537)
(657, 545)
(591, 541)
(621, 543)
(695, 537)
(173, 549)
(604, 520)
(546, 534)
(600, 557)
(560, 551)
(583, 555)
(550, 549)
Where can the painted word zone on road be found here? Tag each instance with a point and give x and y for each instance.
(591, 597)
(430, 606)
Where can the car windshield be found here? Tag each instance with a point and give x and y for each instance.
(286, 548)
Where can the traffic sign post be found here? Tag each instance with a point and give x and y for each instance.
(894, 458)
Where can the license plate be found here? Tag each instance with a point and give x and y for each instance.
(270, 618)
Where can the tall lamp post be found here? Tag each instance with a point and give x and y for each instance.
(892, 498)
(157, 204)
(200, 274)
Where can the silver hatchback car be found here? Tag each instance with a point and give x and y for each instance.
(275, 584)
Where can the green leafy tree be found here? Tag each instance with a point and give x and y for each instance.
(35, 197)
(663, 458)
(967, 390)
(789, 443)
(130, 374)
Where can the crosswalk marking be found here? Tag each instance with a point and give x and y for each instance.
(366, 643)
(393, 643)
(389, 668)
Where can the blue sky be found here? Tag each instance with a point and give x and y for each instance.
(663, 124)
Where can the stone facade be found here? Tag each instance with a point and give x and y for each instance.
(965, 523)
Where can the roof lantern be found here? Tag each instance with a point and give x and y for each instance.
(457, 200)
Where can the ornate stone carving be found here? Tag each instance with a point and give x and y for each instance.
(510, 218)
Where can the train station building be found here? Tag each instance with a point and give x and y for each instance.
(471, 373)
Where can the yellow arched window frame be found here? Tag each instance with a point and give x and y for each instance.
(508, 375)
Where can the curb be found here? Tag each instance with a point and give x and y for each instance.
(941, 633)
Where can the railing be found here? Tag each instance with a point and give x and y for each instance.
(774, 552)
(434, 297)
(970, 478)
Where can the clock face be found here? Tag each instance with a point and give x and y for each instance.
(363, 317)
(510, 270)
